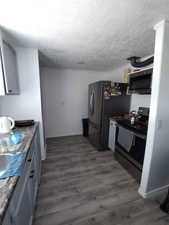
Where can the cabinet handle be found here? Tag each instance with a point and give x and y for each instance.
(32, 173)
(11, 219)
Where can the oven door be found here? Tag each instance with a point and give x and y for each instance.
(131, 146)
(126, 138)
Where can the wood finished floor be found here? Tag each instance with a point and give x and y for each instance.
(81, 186)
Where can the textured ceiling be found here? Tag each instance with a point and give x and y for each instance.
(86, 34)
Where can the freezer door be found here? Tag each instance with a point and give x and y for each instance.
(94, 135)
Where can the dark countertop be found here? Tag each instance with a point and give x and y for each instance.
(7, 185)
(136, 128)
(122, 117)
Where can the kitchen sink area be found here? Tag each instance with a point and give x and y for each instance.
(11, 151)
(4, 161)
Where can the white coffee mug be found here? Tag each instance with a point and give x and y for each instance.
(6, 124)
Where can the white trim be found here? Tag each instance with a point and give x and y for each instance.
(153, 193)
(154, 171)
(64, 135)
(161, 23)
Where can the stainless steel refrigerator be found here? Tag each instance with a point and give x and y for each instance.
(105, 99)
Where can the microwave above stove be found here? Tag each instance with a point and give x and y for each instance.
(140, 81)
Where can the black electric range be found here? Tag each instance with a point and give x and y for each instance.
(134, 151)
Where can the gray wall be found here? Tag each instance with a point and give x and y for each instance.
(139, 100)
(65, 97)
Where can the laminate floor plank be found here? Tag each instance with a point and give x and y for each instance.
(81, 186)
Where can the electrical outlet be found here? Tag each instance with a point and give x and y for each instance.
(159, 124)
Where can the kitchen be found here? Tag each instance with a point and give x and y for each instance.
(75, 185)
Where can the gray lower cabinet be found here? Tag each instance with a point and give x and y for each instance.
(7, 219)
(21, 207)
(22, 214)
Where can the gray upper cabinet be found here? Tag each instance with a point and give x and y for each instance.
(9, 70)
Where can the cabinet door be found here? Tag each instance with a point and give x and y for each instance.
(33, 181)
(10, 70)
(23, 211)
(7, 220)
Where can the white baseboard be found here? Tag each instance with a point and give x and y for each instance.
(156, 192)
(64, 135)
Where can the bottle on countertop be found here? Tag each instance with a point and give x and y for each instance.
(132, 120)
(133, 116)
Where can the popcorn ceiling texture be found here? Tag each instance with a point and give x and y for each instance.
(85, 34)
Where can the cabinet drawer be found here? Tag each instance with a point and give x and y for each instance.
(22, 213)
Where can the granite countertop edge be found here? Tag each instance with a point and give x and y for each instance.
(8, 188)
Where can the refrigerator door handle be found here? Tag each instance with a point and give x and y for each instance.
(92, 103)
